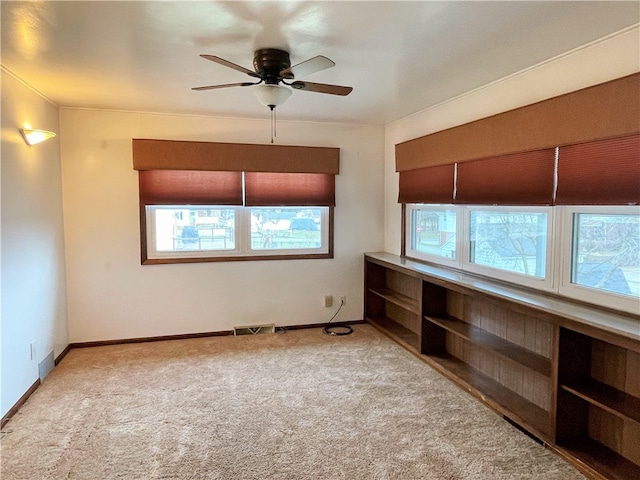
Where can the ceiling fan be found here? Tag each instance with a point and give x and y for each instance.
(272, 67)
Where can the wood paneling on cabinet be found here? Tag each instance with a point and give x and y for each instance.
(574, 384)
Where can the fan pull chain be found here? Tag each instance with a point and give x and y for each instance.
(273, 123)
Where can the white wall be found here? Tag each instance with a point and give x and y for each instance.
(613, 57)
(111, 296)
(33, 279)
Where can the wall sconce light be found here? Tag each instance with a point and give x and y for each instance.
(33, 137)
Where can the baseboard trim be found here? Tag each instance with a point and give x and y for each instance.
(13, 410)
(162, 338)
(62, 355)
(322, 325)
(186, 336)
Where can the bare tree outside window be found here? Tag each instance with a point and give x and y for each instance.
(515, 242)
(606, 253)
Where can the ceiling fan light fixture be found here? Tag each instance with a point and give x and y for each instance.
(272, 95)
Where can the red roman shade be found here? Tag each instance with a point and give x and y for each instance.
(427, 185)
(190, 187)
(605, 172)
(518, 179)
(289, 189)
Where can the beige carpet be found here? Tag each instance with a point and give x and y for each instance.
(299, 405)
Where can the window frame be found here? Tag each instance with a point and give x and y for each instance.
(560, 242)
(439, 259)
(545, 283)
(566, 287)
(153, 254)
(305, 252)
(242, 250)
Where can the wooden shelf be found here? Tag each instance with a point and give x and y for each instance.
(402, 335)
(544, 368)
(398, 299)
(494, 343)
(612, 400)
(602, 459)
(528, 415)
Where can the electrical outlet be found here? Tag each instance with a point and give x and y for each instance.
(32, 350)
(328, 300)
(343, 300)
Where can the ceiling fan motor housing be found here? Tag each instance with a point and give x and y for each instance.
(272, 66)
(269, 62)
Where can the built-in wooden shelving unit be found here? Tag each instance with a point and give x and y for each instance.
(567, 373)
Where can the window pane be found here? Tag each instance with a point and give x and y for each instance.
(606, 252)
(511, 241)
(433, 232)
(286, 228)
(182, 228)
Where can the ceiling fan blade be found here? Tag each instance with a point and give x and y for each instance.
(226, 85)
(229, 64)
(307, 67)
(322, 88)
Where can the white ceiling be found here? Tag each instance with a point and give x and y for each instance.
(400, 57)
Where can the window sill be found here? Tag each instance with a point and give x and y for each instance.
(306, 256)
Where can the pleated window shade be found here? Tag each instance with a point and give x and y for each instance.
(607, 110)
(518, 179)
(605, 172)
(427, 185)
(190, 187)
(210, 173)
(289, 189)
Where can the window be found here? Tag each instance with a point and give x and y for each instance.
(509, 239)
(590, 253)
(603, 255)
(562, 219)
(604, 246)
(207, 201)
(289, 229)
(433, 232)
(206, 232)
(177, 230)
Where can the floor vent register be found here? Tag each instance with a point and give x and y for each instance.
(254, 329)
